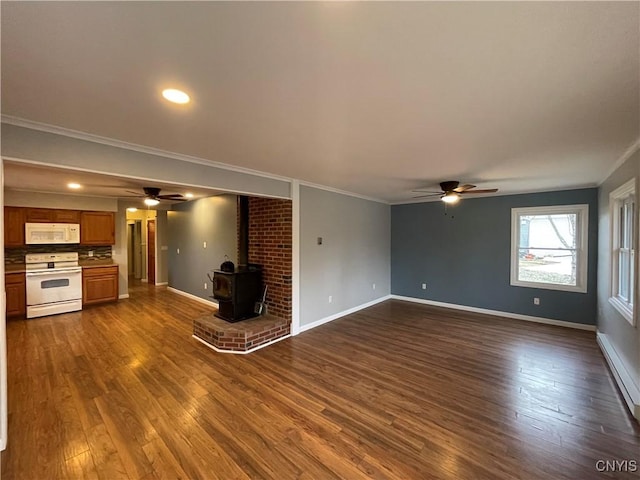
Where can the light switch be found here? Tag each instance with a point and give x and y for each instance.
(319, 240)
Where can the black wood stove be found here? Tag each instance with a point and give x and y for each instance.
(237, 292)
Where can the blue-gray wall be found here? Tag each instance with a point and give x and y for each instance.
(464, 257)
(212, 220)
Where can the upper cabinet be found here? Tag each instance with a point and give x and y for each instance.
(14, 218)
(97, 228)
(50, 215)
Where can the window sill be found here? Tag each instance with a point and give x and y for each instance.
(623, 309)
(549, 286)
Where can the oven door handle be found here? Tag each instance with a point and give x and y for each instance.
(57, 272)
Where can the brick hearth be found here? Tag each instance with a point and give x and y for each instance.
(240, 337)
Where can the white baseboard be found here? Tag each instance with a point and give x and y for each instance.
(124, 295)
(629, 389)
(322, 321)
(271, 342)
(210, 303)
(162, 284)
(143, 280)
(498, 313)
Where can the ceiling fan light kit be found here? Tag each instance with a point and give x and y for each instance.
(451, 191)
(450, 198)
(152, 196)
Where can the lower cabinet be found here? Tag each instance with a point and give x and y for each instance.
(99, 284)
(15, 287)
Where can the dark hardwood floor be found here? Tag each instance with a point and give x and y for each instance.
(397, 391)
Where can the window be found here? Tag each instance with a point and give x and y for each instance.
(622, 204)
(549, 247)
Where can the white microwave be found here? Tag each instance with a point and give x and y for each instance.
(51, 233)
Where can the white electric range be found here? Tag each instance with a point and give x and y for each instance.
(54, 283)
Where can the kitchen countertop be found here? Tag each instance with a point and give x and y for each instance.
(98, 262)
(14, 268)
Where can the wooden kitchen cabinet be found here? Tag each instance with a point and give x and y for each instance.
(39, 215)
(97, 228)
(51, 215)
(99, 284)
(15, 288)
(66, 216)
(14, 218)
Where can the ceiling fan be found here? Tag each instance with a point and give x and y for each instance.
(152, 196)
(452, 190)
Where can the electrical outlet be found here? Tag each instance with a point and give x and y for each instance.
(204, 244)
(319, 240)
(424, 286)
(536, 301)
(373, 286)
(91, 253)
(178, 251)
(205, 285)
(330, 298)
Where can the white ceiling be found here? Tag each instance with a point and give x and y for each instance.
(375, 98)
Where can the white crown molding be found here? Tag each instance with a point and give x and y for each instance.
(90, 137)
(633, 148)
(341, 192)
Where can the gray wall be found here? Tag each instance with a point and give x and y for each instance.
(464, 257)
(119, 250)
(212, 220)
(354, 253)
(58, 150)
(624, 338)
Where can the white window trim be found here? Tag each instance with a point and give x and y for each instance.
(582, 212)
(614, 197)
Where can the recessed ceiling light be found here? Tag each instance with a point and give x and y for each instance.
(74, 185)
(132, 209)
(188, 195)
(152, 202)
(175, 96)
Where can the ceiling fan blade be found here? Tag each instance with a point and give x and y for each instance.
(463, 188)
(170, 196)
(487, 190)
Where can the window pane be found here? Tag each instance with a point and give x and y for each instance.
(547, 266)
(623, 275)
(548, 231)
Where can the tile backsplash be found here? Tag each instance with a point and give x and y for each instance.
(16, 255)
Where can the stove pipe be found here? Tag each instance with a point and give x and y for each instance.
(243, 230)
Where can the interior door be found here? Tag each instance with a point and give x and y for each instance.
(130, 249)
(137, 248)
(151, 249)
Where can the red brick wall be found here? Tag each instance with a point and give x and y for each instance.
(270, 246)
